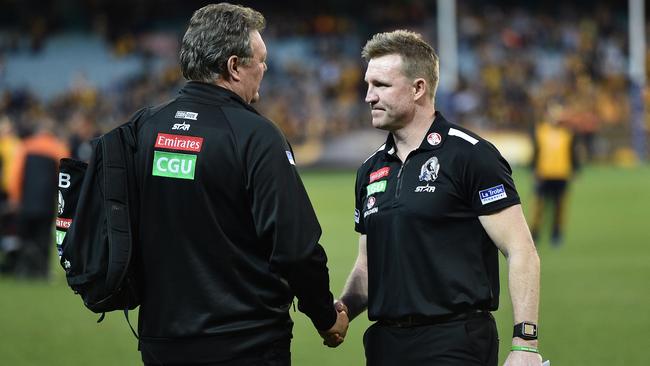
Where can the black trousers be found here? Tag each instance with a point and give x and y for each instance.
(277, 353)
(466, 342)
(553, 191)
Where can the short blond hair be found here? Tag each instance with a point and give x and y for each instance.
(419, 59)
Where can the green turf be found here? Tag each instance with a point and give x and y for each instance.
(595, 307)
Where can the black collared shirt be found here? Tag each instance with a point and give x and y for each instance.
(427, 251)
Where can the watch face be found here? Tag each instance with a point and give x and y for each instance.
(525, 330)
(529, 329)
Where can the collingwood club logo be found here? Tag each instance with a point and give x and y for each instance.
(428, 174)
(61, 204)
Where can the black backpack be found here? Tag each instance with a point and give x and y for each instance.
(95, 224)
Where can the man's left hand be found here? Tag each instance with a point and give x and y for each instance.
(335, 335)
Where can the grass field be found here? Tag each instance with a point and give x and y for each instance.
(595, 307)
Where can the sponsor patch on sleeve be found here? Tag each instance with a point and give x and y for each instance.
(492, 194)
(357, 214)
(378, 174)
(376, 188)
(290, 157)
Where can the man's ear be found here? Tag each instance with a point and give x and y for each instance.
(419, 88)
(233, 68)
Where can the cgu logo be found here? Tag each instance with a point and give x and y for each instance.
(174, 165)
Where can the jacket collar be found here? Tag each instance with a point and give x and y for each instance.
(214, 94)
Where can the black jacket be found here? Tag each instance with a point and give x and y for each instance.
(227, 233)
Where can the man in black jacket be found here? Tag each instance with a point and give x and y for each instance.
(228, 235)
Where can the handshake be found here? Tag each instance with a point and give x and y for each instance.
(334, 336)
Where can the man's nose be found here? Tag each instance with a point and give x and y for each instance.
(371, 96)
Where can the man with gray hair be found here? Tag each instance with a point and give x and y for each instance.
(227, 234)
(433, 206)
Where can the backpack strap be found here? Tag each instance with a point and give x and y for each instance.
(127, 133)
(116, 198)
(126, 315)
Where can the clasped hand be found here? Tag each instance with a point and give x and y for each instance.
(334, 336)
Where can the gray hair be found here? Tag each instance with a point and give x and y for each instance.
(216, 32)
(419, 59)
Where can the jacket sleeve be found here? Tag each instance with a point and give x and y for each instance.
(285, 218)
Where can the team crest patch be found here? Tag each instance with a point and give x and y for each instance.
(434, 139)
(492, 194)
(60, 204)
(429, 170)
(428, 174)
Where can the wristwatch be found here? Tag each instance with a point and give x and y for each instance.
(525, 330)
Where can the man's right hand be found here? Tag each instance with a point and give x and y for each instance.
(334, 336)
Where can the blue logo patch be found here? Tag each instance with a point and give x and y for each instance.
(492, 194)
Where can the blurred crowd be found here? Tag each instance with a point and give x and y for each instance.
(512, 61)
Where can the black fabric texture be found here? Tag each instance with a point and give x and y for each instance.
(227, 233)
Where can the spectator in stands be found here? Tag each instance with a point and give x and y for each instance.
(83, 130)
